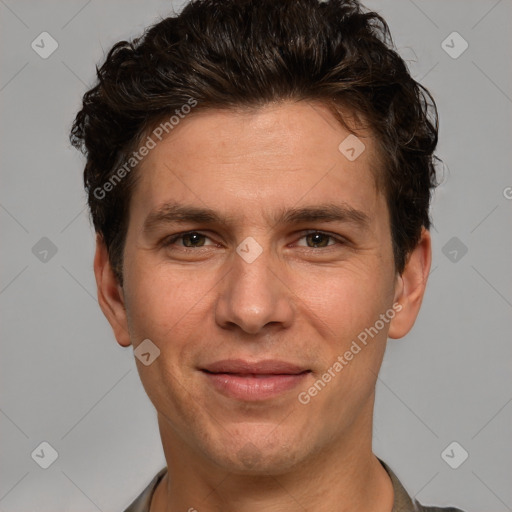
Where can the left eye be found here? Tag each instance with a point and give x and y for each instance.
(318, 238)
(194, 239)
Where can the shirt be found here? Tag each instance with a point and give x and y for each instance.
(402, 502)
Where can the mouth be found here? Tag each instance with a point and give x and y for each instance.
(243, 380)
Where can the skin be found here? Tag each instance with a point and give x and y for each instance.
(296, 302)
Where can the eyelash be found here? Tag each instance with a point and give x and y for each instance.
(174, 238)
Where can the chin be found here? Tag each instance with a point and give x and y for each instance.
(257, 455)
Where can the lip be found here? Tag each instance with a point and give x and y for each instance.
(265, 367)
(253, 381)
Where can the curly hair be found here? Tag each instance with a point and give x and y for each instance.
(231, 54)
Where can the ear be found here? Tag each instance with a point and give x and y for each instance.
(410, 287)
(110, 294)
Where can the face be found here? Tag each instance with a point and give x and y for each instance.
(254, 300)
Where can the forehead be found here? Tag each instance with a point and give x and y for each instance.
(247, 162)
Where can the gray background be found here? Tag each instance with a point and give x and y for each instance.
(65, 380)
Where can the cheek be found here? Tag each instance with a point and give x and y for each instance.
(346, 300)
(355, 339)
(173, 309)
(162, 301)
(168, 308)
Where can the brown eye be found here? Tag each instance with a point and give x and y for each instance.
(189, 240)
(194, 239)
(319, 240)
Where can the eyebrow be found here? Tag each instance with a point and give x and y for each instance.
(176, 213)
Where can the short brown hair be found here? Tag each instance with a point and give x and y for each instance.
(247, 53)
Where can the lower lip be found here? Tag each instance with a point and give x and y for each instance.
(252, 387)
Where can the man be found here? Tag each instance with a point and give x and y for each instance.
(259, 176)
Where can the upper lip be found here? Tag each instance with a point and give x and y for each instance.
(266, 367)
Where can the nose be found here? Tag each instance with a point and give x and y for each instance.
(254, 296)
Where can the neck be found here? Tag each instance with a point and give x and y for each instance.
(345, 476)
